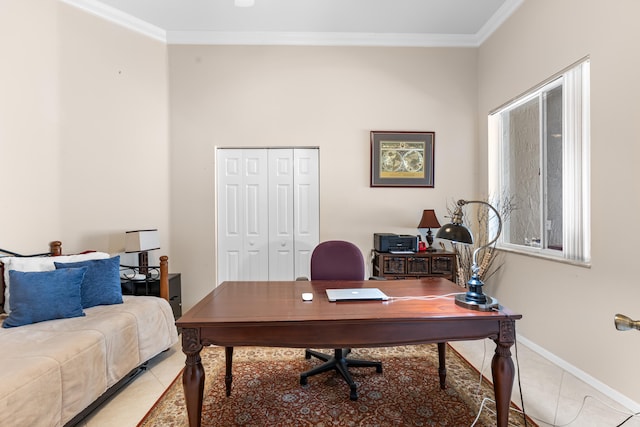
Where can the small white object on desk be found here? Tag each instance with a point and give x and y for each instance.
(307, 296)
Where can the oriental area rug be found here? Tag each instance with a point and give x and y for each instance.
(266, 391)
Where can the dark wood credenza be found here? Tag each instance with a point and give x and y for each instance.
(415, 265)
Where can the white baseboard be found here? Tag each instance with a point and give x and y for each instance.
(581, 375)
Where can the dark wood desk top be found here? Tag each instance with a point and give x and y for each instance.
(234, 306)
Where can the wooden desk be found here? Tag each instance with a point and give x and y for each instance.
(272, 314)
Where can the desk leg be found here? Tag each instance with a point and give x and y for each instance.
(503, 371)
(193, 375)
(442, 364)
(228, 376)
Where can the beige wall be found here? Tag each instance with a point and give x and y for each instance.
(315, 96)
(83, 129)
(29, 123)
(114, 142)
(569, 310)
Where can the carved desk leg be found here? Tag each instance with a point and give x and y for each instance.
(503, 371)
(228, 376)
(442, 364)
(193, 375)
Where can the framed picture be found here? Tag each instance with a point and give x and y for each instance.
(402, 159)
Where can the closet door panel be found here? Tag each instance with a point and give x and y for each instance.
(281, 224)
(306, 209)
(255, 258)
(230, 204)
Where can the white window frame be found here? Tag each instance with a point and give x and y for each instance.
(576, 187)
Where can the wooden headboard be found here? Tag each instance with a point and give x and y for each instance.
(55, 249)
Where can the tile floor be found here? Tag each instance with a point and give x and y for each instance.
(552, 396)
(130, 405)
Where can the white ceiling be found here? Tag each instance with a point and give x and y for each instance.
(309, 22)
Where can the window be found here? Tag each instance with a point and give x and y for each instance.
(539, 160)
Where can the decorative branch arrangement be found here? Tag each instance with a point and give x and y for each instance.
(489, 259)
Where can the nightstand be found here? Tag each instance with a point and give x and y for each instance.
(151, 287)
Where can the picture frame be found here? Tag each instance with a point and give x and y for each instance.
(402, 159)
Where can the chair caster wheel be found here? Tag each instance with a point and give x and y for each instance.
(303, 380)
(379, 369)
(353, 395)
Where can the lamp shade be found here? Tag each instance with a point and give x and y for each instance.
(142, 240)
(455, 232)
(429, 219)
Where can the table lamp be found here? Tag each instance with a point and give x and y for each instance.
(429, 221)
(142, 241)
(455, 231)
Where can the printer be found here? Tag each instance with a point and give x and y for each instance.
(389, 242)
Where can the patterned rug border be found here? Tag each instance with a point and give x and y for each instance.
(255, 354)
(164, 394)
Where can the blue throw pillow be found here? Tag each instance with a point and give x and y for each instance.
(101, 284)
(44, 295)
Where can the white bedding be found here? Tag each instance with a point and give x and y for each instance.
(50, 371)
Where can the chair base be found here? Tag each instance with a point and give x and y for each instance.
(341, 364)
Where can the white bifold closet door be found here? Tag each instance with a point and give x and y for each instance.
(268, 212)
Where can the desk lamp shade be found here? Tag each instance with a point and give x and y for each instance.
(455, 230)
(474, 299)
(142, 241)
(429, 221)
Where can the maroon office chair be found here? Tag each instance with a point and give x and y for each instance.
(337, 260)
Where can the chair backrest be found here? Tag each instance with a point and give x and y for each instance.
(337, 260)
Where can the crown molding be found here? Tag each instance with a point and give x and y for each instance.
(320, 39)
(118, 17)
(502, 14)
(97, 8)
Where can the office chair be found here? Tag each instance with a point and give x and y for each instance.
(337, 260)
